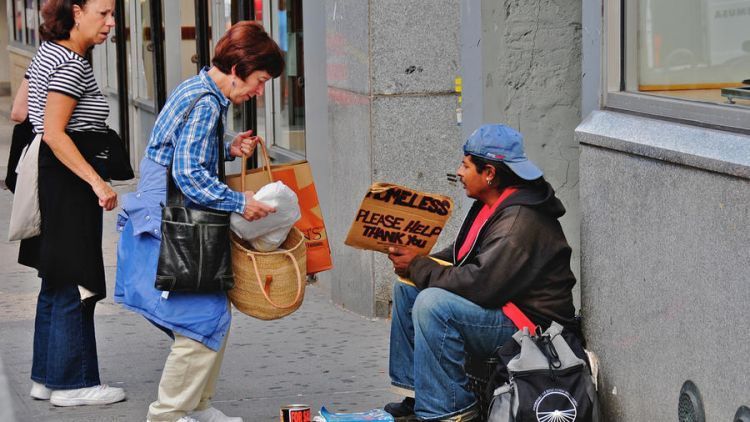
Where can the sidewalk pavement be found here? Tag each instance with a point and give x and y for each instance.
(320, 355)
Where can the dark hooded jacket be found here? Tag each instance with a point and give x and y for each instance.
(520, 255)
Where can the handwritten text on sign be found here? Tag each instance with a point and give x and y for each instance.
(394, 215)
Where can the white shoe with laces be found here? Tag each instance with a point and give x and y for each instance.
(39, 391)
(213, 414)
(96, 395)
(182, 419)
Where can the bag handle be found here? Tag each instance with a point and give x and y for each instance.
(265, 293)
(266, 165)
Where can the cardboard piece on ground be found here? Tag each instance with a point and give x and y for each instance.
(393, 215)
(439, 261)
(298, 176)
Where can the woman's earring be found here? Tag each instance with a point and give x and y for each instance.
(78, 25)
(489, 182)
(233, 84)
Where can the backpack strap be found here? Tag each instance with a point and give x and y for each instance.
(520, 320)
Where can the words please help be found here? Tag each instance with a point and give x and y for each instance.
(393, 215)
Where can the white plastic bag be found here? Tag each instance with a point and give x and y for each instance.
(25, 218)
(266, 234)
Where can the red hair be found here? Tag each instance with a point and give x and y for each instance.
(247, 47)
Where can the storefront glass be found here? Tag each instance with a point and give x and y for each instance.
(145, 58)
(691, 49)
(281, 113)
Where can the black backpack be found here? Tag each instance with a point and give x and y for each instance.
(544, 377)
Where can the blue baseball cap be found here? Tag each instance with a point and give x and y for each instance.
(502, 143)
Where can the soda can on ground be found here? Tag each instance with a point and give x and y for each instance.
(295, 413)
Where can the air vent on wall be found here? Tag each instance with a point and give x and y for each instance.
(742, 415)
(690, 406)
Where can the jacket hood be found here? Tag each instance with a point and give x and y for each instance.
(542, 198)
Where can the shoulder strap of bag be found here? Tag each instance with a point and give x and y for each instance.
(520, 320)
(174, 194)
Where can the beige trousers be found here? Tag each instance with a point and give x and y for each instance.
(188, 381)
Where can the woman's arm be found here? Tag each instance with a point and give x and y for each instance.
(20, 109)
(56, 117)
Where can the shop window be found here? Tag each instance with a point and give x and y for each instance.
(145, 57)
(281, 111)
(685, 59)
(693, 48)
(226, 13)
(26, 20)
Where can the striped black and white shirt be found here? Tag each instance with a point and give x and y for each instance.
(55, 68)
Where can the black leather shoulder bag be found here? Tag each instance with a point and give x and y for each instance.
(195, 255)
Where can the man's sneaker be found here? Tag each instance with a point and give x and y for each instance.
(213, 414)
(402, 411)
(39, 391)
(100, 394)
(182, 419)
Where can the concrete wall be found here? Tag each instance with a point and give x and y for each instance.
(665, 263)
(531, 65)
(392, 117)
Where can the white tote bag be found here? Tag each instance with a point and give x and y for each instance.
(25, 218)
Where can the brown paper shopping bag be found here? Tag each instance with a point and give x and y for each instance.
(393, 215)
(297, 176)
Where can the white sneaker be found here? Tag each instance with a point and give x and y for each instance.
(39, 391)
(213, 414)
(187, 419)
(99, 394)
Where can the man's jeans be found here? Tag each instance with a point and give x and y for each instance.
(64, 343)
(431, 333)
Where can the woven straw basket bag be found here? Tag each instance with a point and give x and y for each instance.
(268, 285)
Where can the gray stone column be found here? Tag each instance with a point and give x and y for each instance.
(531, 53)
(392, 117)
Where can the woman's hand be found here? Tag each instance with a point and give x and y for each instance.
(255, 210)
(243, 145)
(107, 196)
(401, 258)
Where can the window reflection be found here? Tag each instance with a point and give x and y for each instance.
(18, 20)
(281, 111)
(693, 48)
(31, 14)
(146, 56)
(289, 128)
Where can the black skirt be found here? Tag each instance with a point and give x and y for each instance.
(69, 250)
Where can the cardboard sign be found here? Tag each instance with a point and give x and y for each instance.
(393, 215)
(298, 176)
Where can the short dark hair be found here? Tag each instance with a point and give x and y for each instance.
(247, 47)
(58, 19)
(504, 176)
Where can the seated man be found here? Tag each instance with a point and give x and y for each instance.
(510, 248)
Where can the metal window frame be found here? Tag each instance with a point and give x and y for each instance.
(202, 36)
(122, 72)
(157, 39)
(620, 73)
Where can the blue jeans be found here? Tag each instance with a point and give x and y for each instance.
(64, 342)
(431, 333)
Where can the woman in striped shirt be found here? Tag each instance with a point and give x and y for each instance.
(187, 140)
(64, 102)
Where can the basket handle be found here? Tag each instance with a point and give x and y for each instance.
(266, 164)
(265, 293)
